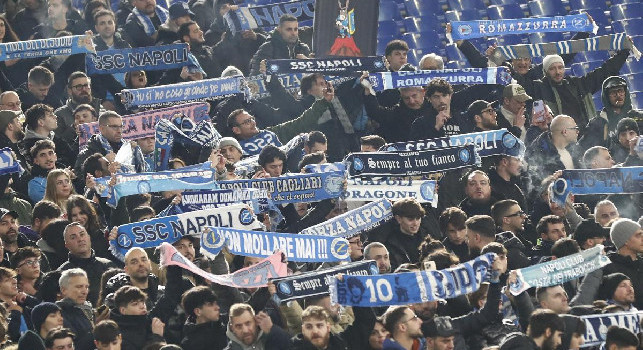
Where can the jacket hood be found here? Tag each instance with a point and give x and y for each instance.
(604, 93)
(30, 134)
(258, 344)
(509, 240)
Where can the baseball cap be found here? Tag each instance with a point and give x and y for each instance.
(180, 9)
(515, 91)
(5, 211)
(438, 327)
(6, 117)
(477, 107)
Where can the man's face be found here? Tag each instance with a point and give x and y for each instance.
(210, 311)
(49, 122)
(442, 343)
(196, 34)
(113, 345)
(576, 342)
(137, 265)
(138, 79)
(77, 241)
(521, 65)
(246, 126)
(105, 26)
(11, 102)
(29, 268)
(186, 248)
(317, 88)
(413, 324)
(274, 168)
(556, 72)
(513, 105)
(82, 117)
(231, 153)
(244, 328)
(63, 344)
(39, 91)
(53, 320)
(134, 308)
(317, 147)
(603, 160)
(635, 243)
(625, 137)
(113, 129)
(316, 331)
(396, 59)
(553, 342)
(367, 148)
(46, 159)
(554, 232)
(409, 225)
(378, 334)
(9, 229)
(146, 144)
(515, 219)
(616, 96)
(440, 101)
(356, 248)
(56, 9)
(488, 119)
(413, 98)
(624, 293)
(513, 165)
(77, 290)
(148, 7)
(457, 236)
(478, 188)
(430, 64)
(81, 90)
(380, 255)
(9, 287)
(556, 300)
(289, 31)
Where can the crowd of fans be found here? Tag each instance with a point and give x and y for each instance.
(61, 287)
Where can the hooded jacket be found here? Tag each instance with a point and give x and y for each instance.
(518, 341)
(601, 129)
(154, 291)
(517, 253)
(276, 339)
(277, 48)
(63, 152)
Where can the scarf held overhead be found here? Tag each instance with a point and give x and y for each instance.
(470, 76)
(596, 325)
(597, 181)
(354, 222)
(8, 164)
(298, 248)
(333, 66)
(412, 287)
(211, 199)
(254, 276)
(203, 135)
(141, 58)
(267, 16)
(391, 188)
(64, 46)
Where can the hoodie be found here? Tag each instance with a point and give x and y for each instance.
(518, 341)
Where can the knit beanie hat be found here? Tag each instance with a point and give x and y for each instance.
(549, 60)
(622, 230)
(40, 312)
(230, 141)
(609, 285)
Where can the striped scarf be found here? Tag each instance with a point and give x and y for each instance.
(146, 21)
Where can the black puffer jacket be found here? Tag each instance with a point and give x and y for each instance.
(94, 266)
(154, 293)
(75, 318)
(204, 336)
(136, 330)
(276, 48)
(632, 269)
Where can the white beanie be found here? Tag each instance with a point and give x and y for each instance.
(549, 59)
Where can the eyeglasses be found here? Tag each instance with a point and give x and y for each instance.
(619, 91)
(358, 242)
(247, 121)
(573, 128)
(81, 86)
(115, 127)
(31, 263)
(13, 105)
(412, 318)
(518, 213)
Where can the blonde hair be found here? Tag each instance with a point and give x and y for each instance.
(50, 189)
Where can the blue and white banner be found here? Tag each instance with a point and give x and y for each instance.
(354, 222)
(299, 248)
(421, 78)
(488, 143)
(464, 30)
(412, 163)
(412, 287)
(560, 270)
(315, 283)
(8, 164)
(596, 325)
(151, 233)
(183, 92)
(295, 188)
(141, 58)
(255, 144)
(203, 135)
(597, 181)
(247, 166)
(210, 199)
(267, 16)
(291, 82)
(322, 168)
(335, 66)
(391, 188)
(66, 45)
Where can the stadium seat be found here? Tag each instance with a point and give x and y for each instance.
(389, 11)
(587, 4)
(542, 8)
(453, 53)
(599, 16)
(590, 56)
(457, 64)
(507, 40)
(633, 26)
(387, 29)
(617, 2)
(423, 41)
(422, 24)
(580, 69)
(382, 42)
(419, 8)
(413, 57)
(637, 100)
(507, 2)
(505, 12)
(598, 102)
(465, 15)
(632, 66)
(635, 81)
(626, 11)
(537, 38)
(461, 5)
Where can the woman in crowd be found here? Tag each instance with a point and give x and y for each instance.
(59, 188)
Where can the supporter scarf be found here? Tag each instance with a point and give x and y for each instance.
(8, 164)
(291, 82)
(391, 188)
(488, 143)
(137, 160)
(315, 283)
(596, 181)
(255, 144)
(412, 163)
(141, 58)
(421, 78)
(254, 276)
(141, 125)
(247, 166)
(204, 135)
(335, 66)
(67, 45)
(354, 222)
(560, 270)
(267, 16)
(151, 233)
(210, 199)
(615, 42)
(295, 188)
(411, 287)
(464, 30)
(145, 20)
(596, 325)
(183, 92)
(322, 168)
(298, 248)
